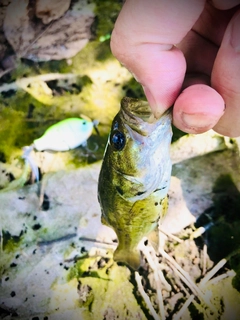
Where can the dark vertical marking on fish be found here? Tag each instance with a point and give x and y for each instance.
(119, 190)
(140, 193)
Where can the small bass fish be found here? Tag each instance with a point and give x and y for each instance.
(135, 176)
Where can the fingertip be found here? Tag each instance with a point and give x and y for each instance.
(225, 78)
(198, 109)
(225, 5)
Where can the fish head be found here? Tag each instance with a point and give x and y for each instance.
(138, 149)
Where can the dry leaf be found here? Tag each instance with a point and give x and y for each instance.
(61, 39)
(3, 42)
(48, 11)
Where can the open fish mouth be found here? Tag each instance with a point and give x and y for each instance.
(139, 117)
(136, 108)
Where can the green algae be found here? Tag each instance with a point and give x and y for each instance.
(106, 15)
(10, 242)
(12, 130)
(105, 288)
(9, 245)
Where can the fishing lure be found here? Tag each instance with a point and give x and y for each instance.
(61, 136)
(65, 135)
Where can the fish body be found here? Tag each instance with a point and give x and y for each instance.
(65, 135)
(135, 176)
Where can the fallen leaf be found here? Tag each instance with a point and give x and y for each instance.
(60, 39)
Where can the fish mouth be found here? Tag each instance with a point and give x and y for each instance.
(139, 117)
(137, 108)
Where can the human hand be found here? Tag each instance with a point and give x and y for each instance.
(189, 45)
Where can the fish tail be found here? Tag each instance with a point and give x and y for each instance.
(130, 257)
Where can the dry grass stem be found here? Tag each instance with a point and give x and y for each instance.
(197, 233)
(171, 236)
(179, 268)
(195, 289)
(145, 250)
(204, 266)
(230, 273)
(1, 241)
(188, 281)
(211, 273)
(2, 73)
(160, 297)
(184, 308)
(163, 280)
(145, 296)
(24, 82)
(180, 284)
(150, 255)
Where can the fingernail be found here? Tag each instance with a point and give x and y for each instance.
(235, 34)
(198, 121)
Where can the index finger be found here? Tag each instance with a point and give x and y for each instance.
(143, 40)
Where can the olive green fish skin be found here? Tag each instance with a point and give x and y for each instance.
(135, 176)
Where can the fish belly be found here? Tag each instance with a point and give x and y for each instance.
(142, 220)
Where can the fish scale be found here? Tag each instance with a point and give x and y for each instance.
(135, 176)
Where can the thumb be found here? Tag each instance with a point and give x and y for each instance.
(143, 39)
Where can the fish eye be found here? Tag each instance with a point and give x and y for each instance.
(118, 140)
(84, 122)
